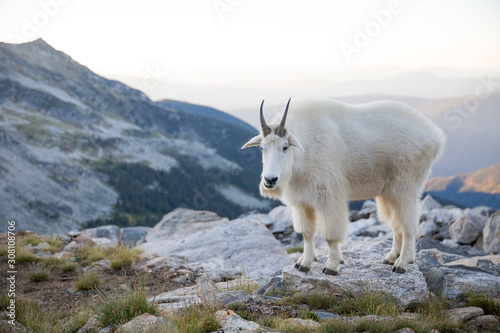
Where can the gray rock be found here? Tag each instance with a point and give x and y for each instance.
(463, 315)
(6, 326)
(484, 210)
(357, 227)
(231, 322)
(131, 235)
(489, 323)
(427, 228)
(241, 245)
(227, 298)
(428, 243)
(435, 280)
(92, 325)
(73, 233)
(108, 329)
(491, 234)
(427, 204)
(180, 224)
(363, 269)
(325, 315)
(467, 227)
(444, 216)
(273, 286)
(110, 231)
(207, 291)
(283, 214)
(104, 242)
(44, 254)
(369, 207)
(302, 323)
(142, 323)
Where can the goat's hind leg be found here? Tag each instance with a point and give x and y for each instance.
(304, 221)
(407, 214)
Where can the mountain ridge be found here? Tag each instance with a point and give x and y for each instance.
(78, 148)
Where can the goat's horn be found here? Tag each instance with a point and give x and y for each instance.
(281, 129)
(265, 129)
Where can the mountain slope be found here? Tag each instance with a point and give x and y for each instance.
(205, 111)
(78, 148)
(478, 188)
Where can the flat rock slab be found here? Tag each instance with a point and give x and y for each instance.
(463, 315)
(363, 270)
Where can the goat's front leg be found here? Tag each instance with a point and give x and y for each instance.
(304, 221)
(334, 261)
(305, 261)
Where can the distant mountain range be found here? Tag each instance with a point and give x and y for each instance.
(473, 189)
(78, 149)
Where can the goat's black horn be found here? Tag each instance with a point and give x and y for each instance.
(281, 129)
(265, 129)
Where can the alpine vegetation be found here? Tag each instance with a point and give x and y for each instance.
(330, 153)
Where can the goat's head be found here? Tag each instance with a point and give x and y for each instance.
(277, 157)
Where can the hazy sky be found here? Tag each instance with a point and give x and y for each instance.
(187, 41)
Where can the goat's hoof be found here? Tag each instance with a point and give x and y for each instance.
(303, 269)
(387, 262)
(399, 270)
(297, 265)
(329, 271)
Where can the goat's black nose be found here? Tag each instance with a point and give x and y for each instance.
(271, 181)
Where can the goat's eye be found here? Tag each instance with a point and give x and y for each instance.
(285, 148)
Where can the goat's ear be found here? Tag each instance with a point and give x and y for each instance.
(255, 141)
(294, 142)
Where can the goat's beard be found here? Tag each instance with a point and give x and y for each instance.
(271, 193)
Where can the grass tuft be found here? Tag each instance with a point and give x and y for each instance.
(38, 275)
(196, 319)
(69, 267)
(118, 309)
(89, 255)
(88, 281)
(25, 256)
(122, 256)
(481, 300)
(52, 262)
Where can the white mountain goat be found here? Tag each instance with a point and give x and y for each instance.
(331, 152)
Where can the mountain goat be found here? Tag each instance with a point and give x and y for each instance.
(330, 153)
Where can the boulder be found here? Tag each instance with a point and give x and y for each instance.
(231, 322)
(444, 216)
(92, 325)
(142, 323)
(131, 235)
(427, 204)
(427, 228)
(463, 315)
(369, 207)
(491, 234)
(180, 224)
(467, 227)
(359, 226)
(363, 270)
(283, 214)
(452, 279)
(111, 232)
(302, 323)
(82, 240)
(489, 323)
(241, 245)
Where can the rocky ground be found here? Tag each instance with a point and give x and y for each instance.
(242, 270)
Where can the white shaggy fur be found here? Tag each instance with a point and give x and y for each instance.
(332, 152)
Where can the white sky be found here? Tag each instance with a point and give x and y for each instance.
(190, 40)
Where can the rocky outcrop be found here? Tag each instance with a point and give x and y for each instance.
(467, 227)
(243, 245)
(491, 234)
(363, 270)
